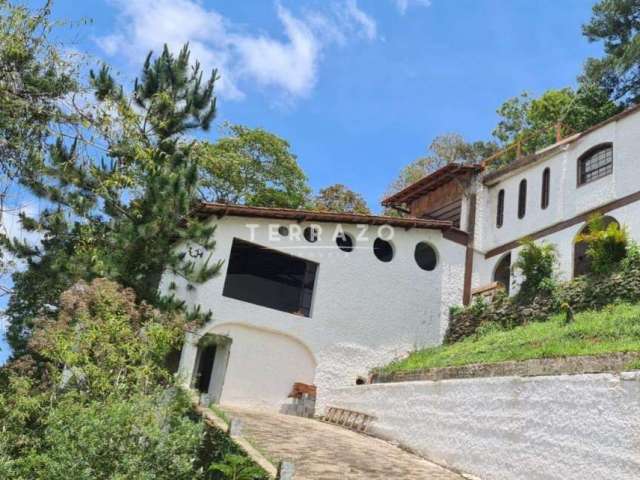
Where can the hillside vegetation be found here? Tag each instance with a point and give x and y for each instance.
(615, 328)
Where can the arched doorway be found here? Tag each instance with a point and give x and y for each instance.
(502, 274)
(581, 264)
(263, 366)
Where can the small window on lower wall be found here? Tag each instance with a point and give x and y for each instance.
(269, 278)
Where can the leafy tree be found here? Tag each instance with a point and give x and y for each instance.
(251, 167)
(445, 149)
(120, 216)
(616, 23)
(533, 121)
(339, 198)
(95, 401)
(34, 79)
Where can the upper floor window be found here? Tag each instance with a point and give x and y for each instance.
(595, 163)
(546, 180)
(522, 199)
(500, 210)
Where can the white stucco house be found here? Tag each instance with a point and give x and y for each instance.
(320, 298)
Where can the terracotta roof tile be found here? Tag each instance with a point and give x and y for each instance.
(222, 209)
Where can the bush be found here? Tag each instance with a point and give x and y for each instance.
(536, 263)
(607, 244)
(95, 401)
(587, 292)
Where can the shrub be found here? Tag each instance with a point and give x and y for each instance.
(607, 244)
(587, 292)
(536, 263)
(95, 401)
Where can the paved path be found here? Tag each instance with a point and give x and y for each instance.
(327, 452)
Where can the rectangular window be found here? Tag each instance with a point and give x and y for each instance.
(522, 199)
(269, 278)
(500, 209)
(546, 180)
(595, 165)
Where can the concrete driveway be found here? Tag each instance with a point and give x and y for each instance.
(326, 452)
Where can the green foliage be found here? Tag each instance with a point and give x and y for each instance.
(339, 198)
(34, 80)
(94, 401)
(252, 167)
(443, 150)
(615, 23)
(536, 264)
(120, 217)
(607, 244)
(586, 292)
(614, 329)
(532, 121)
(237, 467)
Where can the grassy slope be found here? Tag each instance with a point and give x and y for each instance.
(613, 329)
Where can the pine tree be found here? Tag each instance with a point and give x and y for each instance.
(121, 192)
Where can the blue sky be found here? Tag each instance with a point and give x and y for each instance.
(358, 88)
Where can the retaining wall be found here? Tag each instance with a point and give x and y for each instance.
(563, 427)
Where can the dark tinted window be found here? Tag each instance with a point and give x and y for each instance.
(344, 242)
(284, 231)
(382, 250)
(522, 199)
(595, 164)
(310, 234)
(425, 256)
(269, 278)
(500, 209)
(546, 180)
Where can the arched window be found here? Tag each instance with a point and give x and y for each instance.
(581, 263)
(500, 209)
(502, 275)
(546, 180)
(522, 198)
(595, 163)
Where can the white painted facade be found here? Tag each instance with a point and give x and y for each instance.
(565, 427)
(567, 198)
(364, 312)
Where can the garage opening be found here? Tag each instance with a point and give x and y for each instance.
(269, 278)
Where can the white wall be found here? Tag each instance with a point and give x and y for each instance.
(532, 428)
(263, 366)
(364, 312)
(567, 200)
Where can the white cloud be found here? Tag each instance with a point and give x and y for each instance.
(361, 19)
(403, 5)
(288, 63)
(291, 65)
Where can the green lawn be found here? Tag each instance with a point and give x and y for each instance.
(616, 328)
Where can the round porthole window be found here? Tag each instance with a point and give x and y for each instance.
(283, 231)
(426, 256)
(382, 250)
(311, 234)
(344, 242)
